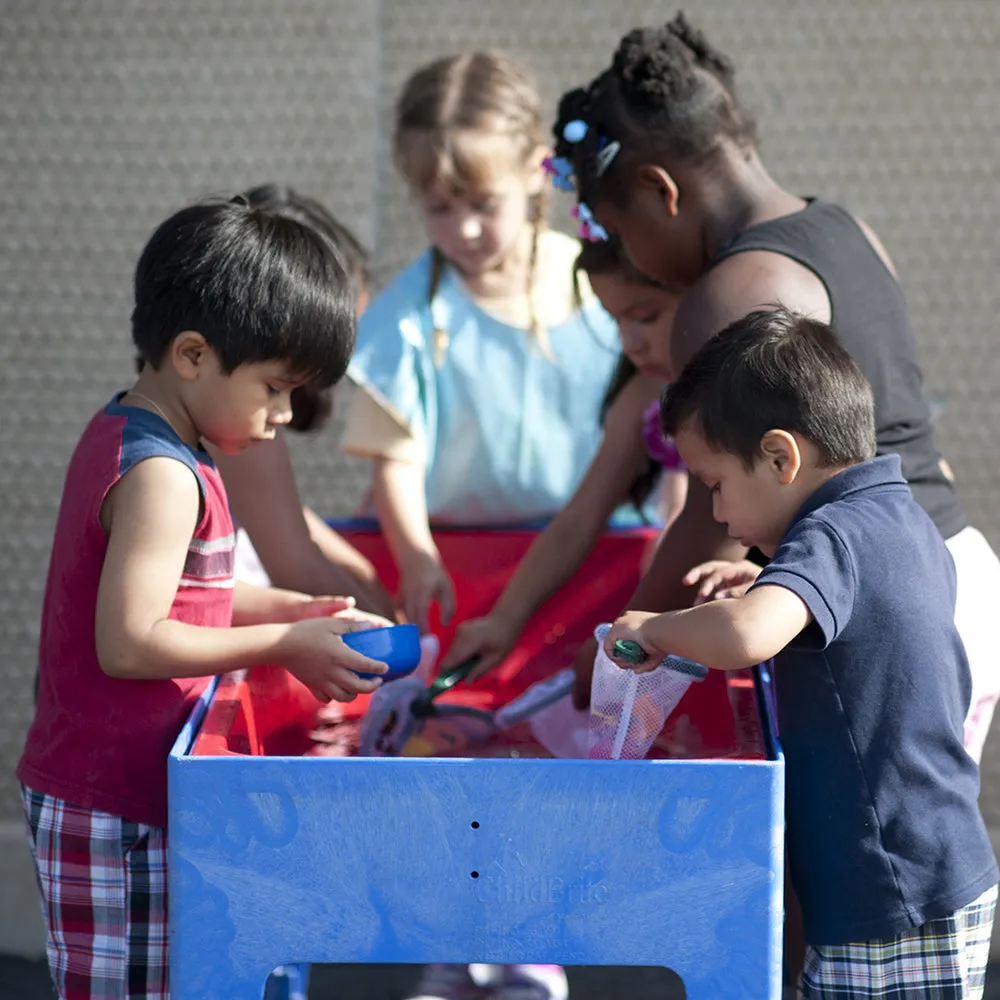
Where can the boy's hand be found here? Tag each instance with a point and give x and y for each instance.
(490, 638)
(720, 578)
(315, 653)
(628, 628)
(423, 582)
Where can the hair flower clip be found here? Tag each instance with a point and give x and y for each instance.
(590, 229)
(560, 170)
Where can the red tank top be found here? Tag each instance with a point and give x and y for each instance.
(96, 741)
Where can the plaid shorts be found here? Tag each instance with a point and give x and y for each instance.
(103, 882)
(944, 959)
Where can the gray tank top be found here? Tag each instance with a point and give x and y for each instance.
(870, 317)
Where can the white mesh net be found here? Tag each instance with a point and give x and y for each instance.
(628, 710)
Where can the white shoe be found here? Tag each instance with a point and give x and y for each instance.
(449, 982)
(533, 982)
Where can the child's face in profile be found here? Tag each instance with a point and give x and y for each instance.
(235, 411)
(645, 316)
(757, 504)
(661, 237)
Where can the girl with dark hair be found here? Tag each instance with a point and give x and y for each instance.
(662, 154)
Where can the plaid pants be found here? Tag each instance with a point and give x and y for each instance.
(945, 959)
(103, 883)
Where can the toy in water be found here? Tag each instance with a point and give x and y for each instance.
(395, 719)
(541, 695)
(627, 709)
(554, 722)
(553, 727)
(397, 646)
(398, 713)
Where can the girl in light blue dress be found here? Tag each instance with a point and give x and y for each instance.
(480, 373)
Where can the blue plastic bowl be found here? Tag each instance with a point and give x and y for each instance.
(398, 647)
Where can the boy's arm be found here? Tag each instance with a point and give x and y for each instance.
(150, 516)
(398, 491)
(693, 538)
(729, 634)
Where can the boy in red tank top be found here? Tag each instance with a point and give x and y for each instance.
(234, 308)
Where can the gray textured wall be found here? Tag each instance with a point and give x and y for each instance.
(115, 112)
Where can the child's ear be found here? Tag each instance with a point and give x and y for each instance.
(781, 452)
(661, 183)
(188, 354)
(536, 175)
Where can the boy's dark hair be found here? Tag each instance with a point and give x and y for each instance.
(258, 286)
(668, 95)
(775, 370)
(312, 406)
(608, 257)
(291, 204)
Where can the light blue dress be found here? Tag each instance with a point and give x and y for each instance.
(508, 431)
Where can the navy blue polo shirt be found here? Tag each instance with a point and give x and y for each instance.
(884, 830)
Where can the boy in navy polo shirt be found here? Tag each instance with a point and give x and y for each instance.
(887, 849)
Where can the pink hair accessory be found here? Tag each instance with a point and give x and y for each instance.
(659, 447)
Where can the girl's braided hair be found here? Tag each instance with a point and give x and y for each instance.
(452, 117)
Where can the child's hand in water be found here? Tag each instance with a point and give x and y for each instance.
(628, 628)
(490, 638)
(720, 578)
(424, 581)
